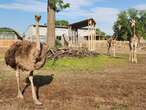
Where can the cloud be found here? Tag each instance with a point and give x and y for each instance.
(140, 7)
(83, 9)
(80, 9)
(79, 3)
(29, 6)
(104, 16)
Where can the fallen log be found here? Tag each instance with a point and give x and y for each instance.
(68, 52)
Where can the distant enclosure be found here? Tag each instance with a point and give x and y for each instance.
(7, 39)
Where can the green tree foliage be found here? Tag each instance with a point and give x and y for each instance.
(6, 30)
(122, 26)
(61, 23)
(58, 5)
(100, 33)
(57, 43)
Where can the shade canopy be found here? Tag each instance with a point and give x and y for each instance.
(81, 24)
(10, 30)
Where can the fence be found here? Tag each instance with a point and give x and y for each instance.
(7, 39)
(6, 43)
(103, 44)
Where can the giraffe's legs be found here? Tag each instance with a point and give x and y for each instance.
(19, 93)
(107, 48)
(130, 56)
(108, 51)
(36, 101)
(114, 51)
(135, 56)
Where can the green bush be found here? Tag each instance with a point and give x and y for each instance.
(57, 43)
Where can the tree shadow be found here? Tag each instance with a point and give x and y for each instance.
(39, 81)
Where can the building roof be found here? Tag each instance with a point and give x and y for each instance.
(63, 27)
(10, 30)
(66, 27)
(6, 30)
(77, 25)
(83, 23)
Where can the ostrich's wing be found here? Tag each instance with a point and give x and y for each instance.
(10, 55)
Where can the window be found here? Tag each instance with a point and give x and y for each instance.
(58, 37)
(85, 37)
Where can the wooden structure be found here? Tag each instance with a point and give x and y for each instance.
(73, 33)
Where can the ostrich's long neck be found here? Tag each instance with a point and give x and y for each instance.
(37, 36)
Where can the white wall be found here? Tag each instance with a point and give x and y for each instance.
(30, 33)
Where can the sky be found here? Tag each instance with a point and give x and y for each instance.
(19, 14)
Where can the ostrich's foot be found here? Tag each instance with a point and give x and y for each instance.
(37, 102)
(19, 95)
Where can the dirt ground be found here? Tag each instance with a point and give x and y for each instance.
(114, 88)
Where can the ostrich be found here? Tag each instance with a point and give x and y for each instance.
(27, 56)
(111, 44)
(133, 43)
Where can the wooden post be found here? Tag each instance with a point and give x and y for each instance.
(91, 37)
(88, 35)
(94, 36)
(69, 36)
(73, 34)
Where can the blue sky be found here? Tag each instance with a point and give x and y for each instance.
(19, 14)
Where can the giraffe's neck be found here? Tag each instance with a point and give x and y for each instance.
(134, 31)
(64, 38)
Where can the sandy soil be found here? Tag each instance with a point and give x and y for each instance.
(114, 88)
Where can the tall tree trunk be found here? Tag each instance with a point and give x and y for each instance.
(50, 26)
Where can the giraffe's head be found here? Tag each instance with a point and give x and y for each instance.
(133, 22)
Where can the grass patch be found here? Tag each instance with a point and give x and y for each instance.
(83, 64)
(119, 107)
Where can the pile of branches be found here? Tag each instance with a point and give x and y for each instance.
(68, 52)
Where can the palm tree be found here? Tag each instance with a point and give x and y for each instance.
(52, 7)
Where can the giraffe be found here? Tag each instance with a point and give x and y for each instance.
(65, 41)
(133, 43)
(111, 44)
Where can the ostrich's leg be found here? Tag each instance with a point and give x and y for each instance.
(19, 94)
(36, 101)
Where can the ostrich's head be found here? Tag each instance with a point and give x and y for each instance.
(37, 18)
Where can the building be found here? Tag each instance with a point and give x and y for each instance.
(8, 36)
(60, 31)
(31, 32)
(76, 34)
